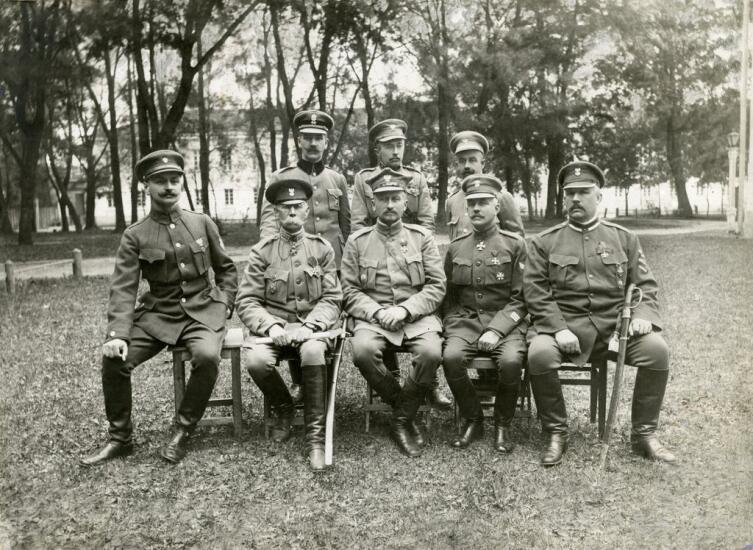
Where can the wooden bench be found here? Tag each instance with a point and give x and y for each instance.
(231, 349)
(596, 379)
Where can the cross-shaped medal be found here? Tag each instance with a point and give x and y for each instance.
(500, 276)
(495, 261)
(480, 245)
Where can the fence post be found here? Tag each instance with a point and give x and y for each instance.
(10, 277)
(77, 269)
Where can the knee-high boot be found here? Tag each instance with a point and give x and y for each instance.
(472, 426)
(403, 415)
(550, 404)
(648, 395)
(314, 397)
(273, 387)
(504, 411)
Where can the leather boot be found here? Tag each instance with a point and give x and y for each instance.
(550, 404)
(415, 431)
(273, 387)
(112, 449)
(175, 450)
(504, 411)
(436, 398)
(116, 387)
(647, 399)
(296, 381)
(389, 358)
(406, 407)
(314, 388)
(198, 391)
(472, 427)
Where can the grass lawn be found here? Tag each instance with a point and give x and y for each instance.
(256, 494)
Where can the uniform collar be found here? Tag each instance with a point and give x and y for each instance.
(382, 165)
(389, 230)
(590, 225)
(486, 233)
(291, 237)
(163, 217)
(313, 168)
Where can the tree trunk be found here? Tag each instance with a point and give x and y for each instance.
(134, 151)
(203, 141)
(674, 158)
(270, 112)
(444, 105)
(90, 173)
(555, 160)
(112, 138)
(253, 131)
(6, 228)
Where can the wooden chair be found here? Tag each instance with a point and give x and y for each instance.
(231, 349)
(375, 404)
(594, 375)
(482, 369)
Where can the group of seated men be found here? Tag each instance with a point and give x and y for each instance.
(554, 299)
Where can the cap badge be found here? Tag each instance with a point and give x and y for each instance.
(164, 159)
(392, 127)
(313, 118)
(576, 172)
(291, 191)
(477, 183)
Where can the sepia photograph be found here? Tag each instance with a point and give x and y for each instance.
(389, 274)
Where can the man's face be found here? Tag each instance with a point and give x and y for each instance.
(468, 163)
(312, 146)
(291, 217)
(582, 202)
(389, 206)
(483, 212)
(164, 189)
(390, 153)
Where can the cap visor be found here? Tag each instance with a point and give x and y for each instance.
(389, 138)
(479, 196)
(387, 188)
(163, 169)
(469, 147)
(291, 201)
(580, 185)
(309, 130)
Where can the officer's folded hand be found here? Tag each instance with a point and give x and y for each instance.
(393, 317)
(115, 348)
(638, 327)
(488, 341)
(279, 336)
(300, 334)
(567, 342)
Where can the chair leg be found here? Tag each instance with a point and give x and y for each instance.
(235, 359)
(179, 379)
(603, 374)
(595, 385)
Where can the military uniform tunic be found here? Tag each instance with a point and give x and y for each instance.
(384, 266)
(576, 279)
(419, 209)
(329, 208)
(458, 222)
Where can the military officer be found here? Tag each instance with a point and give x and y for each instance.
(469, 149)
(484, 312)
(173, 250)
(574, 284)
(393, 284)
(328, 207)
(388, 137)
(288, 291)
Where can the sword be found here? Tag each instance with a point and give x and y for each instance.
(329, 423)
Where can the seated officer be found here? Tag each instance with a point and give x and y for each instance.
(173, 250)
(484, 311)
(574, 283)
(288, 291)
(393, 284)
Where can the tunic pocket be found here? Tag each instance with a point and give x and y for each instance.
(615, 265)
(314, 282)
(498, 270)
(561, 268)
(153, 265)
(333, 196)
(276, 285)
(367, 273)
(461, 271)
(416, 270)
(200, 260)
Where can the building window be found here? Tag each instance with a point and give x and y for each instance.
(228, 197)
(197, 194)
(226, 158)
(141, 198)
(195, 160)
(109, 200)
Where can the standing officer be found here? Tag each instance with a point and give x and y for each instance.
(388, 138)
(469, 149)
(173, 250)
(574, 284)
(484, 312)
(393, 284)
(290, 290)
(328, 207)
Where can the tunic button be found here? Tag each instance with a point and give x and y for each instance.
(172, 226)
(178, 245)
(479, 295)
(184, 282)
(316, 202)
(297, 263)
(318, 218)
(480, 310)
(478, 262)
(478, 279)
(465, 230)
(319, 233)
(297, 281)
(112, 333)
(590, 276)
(585, 238)
(183, 300)
(591, 295)
(182, 265)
